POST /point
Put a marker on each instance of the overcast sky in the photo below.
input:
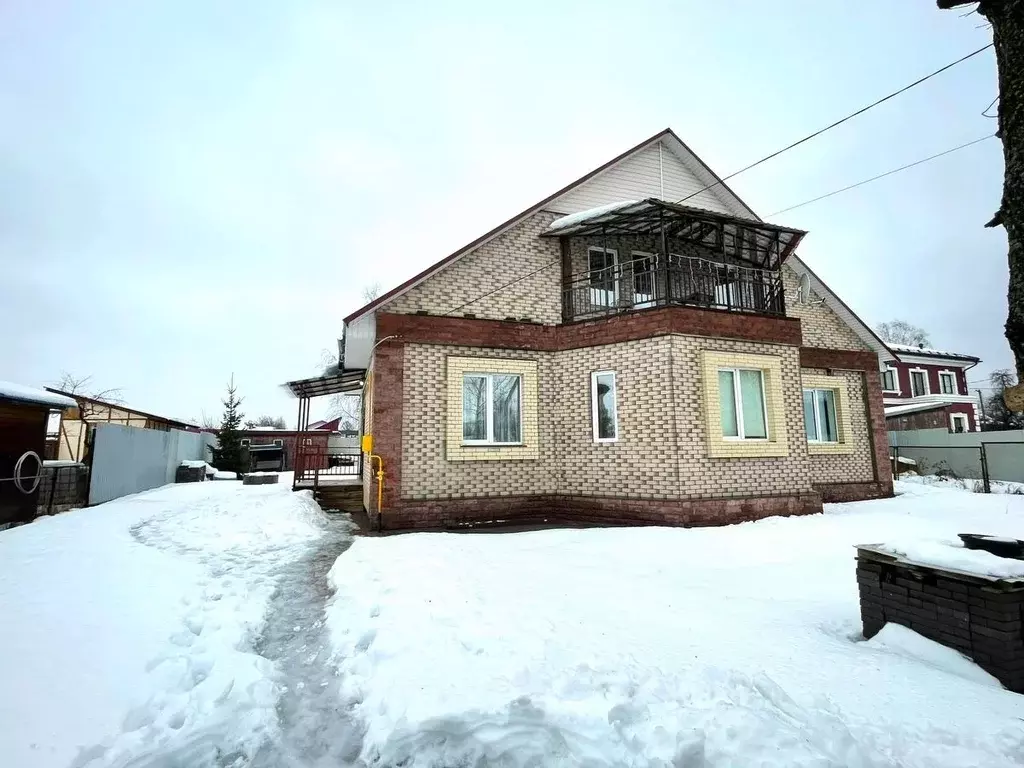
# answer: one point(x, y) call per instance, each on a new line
point(194, 189)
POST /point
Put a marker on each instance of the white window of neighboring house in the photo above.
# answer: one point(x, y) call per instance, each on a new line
point(947, 382)
point(307, 441)
point(820, 416)
point(604, 406)
point(958, 422)
point(279, 442)
point(889, 380)
point(602, 264)
point(741, 399)
point(643, 278)
point(492, 409)
point(918, 383)
point(244, 442)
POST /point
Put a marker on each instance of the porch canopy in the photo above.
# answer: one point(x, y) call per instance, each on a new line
point(755, 242)
point(347, 381)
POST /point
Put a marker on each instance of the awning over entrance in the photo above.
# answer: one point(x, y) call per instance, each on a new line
point(762, 244)
point(346, 382)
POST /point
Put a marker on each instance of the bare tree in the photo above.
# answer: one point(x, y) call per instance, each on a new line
point(902, 332)
point(371, 292)
point(997, 415)
point(275, 422)
point(82, 385)
point(346, 407)
point(207, 421)
point(1006, 18)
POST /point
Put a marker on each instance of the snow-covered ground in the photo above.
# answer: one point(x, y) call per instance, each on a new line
point(129, 632)
point(733, 646)
point(964, 484)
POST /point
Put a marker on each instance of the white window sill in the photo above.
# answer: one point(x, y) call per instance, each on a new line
point(746, 439)
point(604, 440)
point(492, 445)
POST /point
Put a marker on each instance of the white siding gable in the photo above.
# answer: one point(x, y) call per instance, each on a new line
point(655, 171)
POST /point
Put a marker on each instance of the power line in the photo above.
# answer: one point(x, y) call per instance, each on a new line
point(852, 115)
point(733, 175)
point(881, 175)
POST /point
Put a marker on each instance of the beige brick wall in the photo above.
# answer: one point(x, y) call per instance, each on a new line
point(519, 251)
point(702, 476)
point(821, 326)
point(855, 466)
point(662, 450)
point(838, 384)
point(426, 471)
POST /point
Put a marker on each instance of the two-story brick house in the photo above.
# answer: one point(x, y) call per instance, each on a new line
point(927, 389)
point(596, 359)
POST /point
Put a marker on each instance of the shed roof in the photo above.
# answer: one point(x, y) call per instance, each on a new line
point(348, 381)
point(22, 394)
point(910, 349)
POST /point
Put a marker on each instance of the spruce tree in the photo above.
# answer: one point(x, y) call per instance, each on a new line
point(228, 453)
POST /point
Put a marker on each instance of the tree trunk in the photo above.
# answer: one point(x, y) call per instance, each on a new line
point(1007, 18)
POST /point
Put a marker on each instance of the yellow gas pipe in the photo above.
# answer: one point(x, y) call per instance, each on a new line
point(380, 481)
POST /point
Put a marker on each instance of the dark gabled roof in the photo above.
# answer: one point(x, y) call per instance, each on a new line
point(916, 351)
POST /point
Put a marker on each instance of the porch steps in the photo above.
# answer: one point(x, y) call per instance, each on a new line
point(340, 498)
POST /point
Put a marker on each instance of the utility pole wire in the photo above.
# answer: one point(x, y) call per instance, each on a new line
point(733, 175)
point(881, 175)
point(860, 111)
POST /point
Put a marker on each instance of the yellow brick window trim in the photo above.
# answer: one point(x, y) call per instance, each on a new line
point(455, 448)
point(838, 385)
point(719, 446)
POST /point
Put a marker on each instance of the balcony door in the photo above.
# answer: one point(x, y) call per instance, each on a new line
point(603, 266)
point(643, 269)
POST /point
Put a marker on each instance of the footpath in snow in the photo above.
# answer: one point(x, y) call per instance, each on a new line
point(731, 646)
point(178, 627)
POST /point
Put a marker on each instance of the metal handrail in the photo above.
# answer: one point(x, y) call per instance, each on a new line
point(684, 280)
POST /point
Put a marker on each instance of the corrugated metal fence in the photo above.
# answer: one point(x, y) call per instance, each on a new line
point(127, 460)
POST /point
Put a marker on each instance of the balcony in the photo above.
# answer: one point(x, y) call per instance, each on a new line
point(635, 255)
point(650, 281)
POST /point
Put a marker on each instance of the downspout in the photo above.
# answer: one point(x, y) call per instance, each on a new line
point(661, 168)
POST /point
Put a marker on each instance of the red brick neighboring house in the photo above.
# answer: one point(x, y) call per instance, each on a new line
point(927, 389)
point(314, 442)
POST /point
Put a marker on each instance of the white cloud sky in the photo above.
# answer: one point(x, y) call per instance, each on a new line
point(194, 190)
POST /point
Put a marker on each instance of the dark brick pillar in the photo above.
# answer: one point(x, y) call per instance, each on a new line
point(388, 370)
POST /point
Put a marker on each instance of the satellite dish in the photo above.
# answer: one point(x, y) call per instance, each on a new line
point(803, 293)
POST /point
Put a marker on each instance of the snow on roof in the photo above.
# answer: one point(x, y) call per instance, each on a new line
point(899, 410)
point(11, 391)
point(911, 349)
point(590, 213)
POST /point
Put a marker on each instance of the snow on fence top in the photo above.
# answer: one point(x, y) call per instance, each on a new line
point(11, 391)
point(591, 213)
point(954, 556)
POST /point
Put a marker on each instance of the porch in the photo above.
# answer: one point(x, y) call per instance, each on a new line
point(636, 255)
point(334, 475)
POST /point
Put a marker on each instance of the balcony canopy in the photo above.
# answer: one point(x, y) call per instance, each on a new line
point(758, 243)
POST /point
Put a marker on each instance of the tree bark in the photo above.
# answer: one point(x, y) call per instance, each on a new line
point(1007, 19)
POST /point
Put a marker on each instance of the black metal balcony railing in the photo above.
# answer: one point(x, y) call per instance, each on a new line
point(685, 281)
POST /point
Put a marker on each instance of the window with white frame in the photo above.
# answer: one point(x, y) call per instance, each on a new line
point(744, 412)
point(279, 442)
point(958, 422)
point(947, 382)
point(918, 383)
point(889, 380)
point(604, 406)
point(602, 264)
point(244, 442)
point(492, 408)
point(820, 420)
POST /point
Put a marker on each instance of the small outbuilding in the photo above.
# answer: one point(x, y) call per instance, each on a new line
point(24, 414)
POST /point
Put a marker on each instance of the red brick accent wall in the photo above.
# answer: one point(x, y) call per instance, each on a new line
point(388, 409)
point(473, 332)
point(570, 510)
point(816, 357)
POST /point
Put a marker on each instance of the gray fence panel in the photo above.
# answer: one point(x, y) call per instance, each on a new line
point(960, 452)
point(128, 460)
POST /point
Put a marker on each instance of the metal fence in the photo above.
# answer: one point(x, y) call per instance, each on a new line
point(127, 460)
point(986, 462)
point(324, 468)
